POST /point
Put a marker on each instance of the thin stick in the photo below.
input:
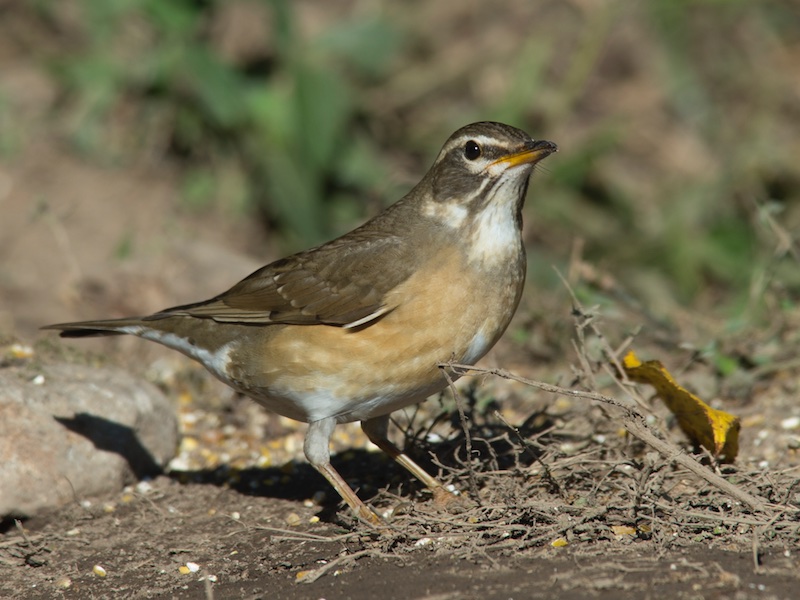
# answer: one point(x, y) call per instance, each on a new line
point(473, 486)
point(314, 574)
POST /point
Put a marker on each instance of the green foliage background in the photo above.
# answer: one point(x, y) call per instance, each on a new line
point(678, 122)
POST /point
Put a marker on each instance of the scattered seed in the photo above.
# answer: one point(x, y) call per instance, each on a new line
point(18, 351)
point(144, 487)
point(621, 530)
point(791, 423)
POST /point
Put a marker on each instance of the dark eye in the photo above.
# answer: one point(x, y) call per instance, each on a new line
point(472, 150)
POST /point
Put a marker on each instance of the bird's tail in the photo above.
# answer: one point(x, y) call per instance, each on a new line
point(83, 329)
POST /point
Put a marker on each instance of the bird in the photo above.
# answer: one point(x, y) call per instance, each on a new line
point(354, 329)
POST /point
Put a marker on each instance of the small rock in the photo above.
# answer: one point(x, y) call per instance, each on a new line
point(82, 432)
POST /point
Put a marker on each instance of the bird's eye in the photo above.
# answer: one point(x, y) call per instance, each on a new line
point(472, 150)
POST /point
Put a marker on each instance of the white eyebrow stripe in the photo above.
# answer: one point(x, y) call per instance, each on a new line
point(481, 140)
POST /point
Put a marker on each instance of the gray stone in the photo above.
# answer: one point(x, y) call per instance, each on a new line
point(69, 432)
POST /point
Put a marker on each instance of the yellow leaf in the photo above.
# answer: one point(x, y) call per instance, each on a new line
point(715, 430)
point(559, 542)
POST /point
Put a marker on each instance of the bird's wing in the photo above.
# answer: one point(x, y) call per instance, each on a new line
point(344, 283)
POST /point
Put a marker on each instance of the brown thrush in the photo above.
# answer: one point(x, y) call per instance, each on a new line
point(354, 329)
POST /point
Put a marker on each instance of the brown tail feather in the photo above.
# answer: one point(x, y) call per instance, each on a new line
point(81, 333)
point(83, 329)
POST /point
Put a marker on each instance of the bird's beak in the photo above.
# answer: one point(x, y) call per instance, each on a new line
point(530, 154)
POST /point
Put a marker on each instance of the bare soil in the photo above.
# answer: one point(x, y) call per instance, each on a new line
point(145, 540)
point(633, 527)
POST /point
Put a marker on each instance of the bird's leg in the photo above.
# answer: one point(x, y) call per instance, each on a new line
point(317, 450)
point(376, 430)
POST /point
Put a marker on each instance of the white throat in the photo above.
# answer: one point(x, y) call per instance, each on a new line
point(495, 237)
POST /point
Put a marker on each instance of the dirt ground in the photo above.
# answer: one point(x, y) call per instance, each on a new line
point(243, 542)
point(560, 505)
point(560, 498)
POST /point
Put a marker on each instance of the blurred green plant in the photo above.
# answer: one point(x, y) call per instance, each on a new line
point(691, 238)
point(674, 119)
point(286, 120)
